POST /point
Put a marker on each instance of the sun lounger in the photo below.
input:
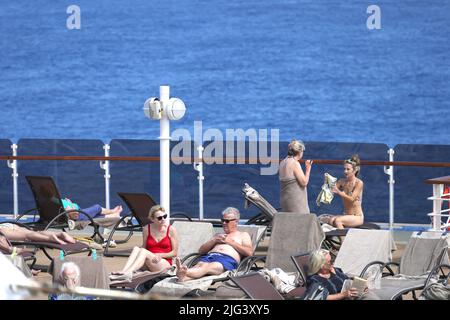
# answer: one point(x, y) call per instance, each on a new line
point(66, 249)
point(191, 236)
point(171, 287)
point(437, 286)
point(139, 205)
point(419, 263)
point(305, 235)
point(51, 211)
point(361, 247)
point(257, 287)
point(256, 233)
point(267, 213)
point(203, 286)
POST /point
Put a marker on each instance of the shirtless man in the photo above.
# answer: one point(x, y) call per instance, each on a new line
point(222, 252)
point(14, 232)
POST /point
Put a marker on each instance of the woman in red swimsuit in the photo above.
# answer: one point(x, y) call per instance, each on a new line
point(160, 245)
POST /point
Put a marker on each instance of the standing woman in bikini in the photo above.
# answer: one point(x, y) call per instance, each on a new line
point(350, 189)
point(293, 182)
point(160, 245)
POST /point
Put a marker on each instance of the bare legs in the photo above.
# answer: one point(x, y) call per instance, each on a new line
point(347, 220)
point(199, 270)
point(140, 257)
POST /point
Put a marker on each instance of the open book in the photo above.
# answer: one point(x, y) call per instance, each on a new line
point(358, 283)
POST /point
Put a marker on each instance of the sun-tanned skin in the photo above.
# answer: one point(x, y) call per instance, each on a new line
point(18, 233)
point(350, 190)
point(233, 243)
point(141, 257)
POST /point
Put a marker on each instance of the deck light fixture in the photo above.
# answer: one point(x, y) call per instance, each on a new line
point(164, 109)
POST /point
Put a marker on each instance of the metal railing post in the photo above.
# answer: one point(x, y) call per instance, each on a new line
point(199, 168)
point(105, 166)
point(13, 165)
point(389, 170)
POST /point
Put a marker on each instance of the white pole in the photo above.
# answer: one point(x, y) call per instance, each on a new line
point(438, 190)
point(164, 151)
point(200, 181)
point(15, 175)
point(107, 176)
point(391, 190)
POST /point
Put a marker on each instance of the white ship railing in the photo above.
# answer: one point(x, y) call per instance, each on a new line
point(437, 197)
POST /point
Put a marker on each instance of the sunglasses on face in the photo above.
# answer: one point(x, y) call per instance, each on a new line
point(227, 220)
point(162, 217)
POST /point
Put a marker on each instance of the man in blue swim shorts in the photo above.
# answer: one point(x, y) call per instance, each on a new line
point(222, 252)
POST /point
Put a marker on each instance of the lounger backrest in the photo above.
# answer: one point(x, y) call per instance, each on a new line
point(139, 205)
point(256, 233)
point(254, 197)
point(292, 233)
point(362, 246)
point(301, 262)
point(93, 273)
point(423, 252)
point(46, 197)
point(257, 287)
point(191, 235)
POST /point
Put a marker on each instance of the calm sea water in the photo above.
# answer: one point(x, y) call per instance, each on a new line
point(310, 68)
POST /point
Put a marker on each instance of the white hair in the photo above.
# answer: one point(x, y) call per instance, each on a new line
point(70, 267)
point(317, 260)
point(233, 211)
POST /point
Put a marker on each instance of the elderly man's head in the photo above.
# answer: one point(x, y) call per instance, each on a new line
point(70, 275)
point(230, 219)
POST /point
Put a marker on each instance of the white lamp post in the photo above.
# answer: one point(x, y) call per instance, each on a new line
point(164, 109)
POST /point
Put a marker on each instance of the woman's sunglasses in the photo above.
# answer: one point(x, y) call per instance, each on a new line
point(162, 217)
point(227, 220)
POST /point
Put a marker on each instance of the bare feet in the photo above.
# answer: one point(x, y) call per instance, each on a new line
point(67, 237)
point(115, 212)
point(181, 270)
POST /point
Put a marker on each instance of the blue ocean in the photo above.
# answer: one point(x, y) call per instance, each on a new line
point(312, 69)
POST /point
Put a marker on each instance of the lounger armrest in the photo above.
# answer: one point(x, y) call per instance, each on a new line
point(27, 212)
point(363, 272)
point(246, 263)
point(180, 214)
point(91, 221)
point(435, 271)
point(388, 267)
point(115, 228)
point(191, 259)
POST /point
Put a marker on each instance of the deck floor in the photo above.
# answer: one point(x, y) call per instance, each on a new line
point(116, 263)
